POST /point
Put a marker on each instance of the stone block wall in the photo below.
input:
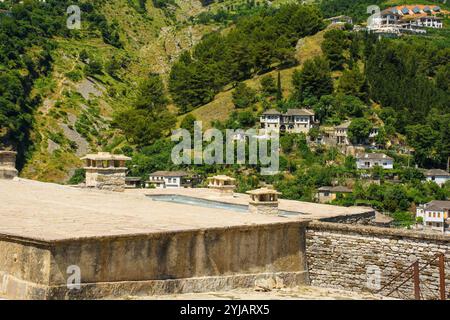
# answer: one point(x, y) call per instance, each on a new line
point(347, 256)
point(200, 260)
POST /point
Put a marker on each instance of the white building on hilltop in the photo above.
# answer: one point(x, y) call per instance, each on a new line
point(435, 215)
point(370, 160)
point(293, 121)
point(409, 17)
point(437, 175)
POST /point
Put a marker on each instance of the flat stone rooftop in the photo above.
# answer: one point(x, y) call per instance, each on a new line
point(308, 210)
point(50, 212)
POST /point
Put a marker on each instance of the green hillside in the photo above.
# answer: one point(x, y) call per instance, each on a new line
point(69, 92)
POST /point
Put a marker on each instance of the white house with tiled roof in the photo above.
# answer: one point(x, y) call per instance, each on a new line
point(437, 175)
point(370, 160)
point(435, 215)
point(292, 121)
point(167, 179)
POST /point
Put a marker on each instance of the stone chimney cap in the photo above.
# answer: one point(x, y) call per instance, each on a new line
point(263, 190)
point(8, 152)
point(105, 156)
point(222, 177)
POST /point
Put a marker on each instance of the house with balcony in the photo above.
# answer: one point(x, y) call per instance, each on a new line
point(435, 215)
point(293, 121)
point(409, 17)
point(437, 175)
point(370, 160)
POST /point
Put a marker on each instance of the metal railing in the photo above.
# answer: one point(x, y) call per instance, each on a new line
point(412, 272)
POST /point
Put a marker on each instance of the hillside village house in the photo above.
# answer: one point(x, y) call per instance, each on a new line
point(341, 134)
point(293, 121)
point(437, 175)
point(435, 215)
point(340, 20)
point(410, 17)
point(370, 160)
point(167, 179)
point(328, 193)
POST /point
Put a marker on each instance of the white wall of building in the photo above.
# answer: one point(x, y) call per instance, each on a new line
point(370, 163)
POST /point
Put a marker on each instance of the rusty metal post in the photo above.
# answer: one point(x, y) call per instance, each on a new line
point(442, 276)
point(416, 280)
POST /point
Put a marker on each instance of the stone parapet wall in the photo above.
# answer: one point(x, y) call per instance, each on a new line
point(345, 257)
point(159, 263)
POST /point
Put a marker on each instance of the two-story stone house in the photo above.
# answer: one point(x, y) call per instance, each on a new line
point(293, 121)
point(167, 179)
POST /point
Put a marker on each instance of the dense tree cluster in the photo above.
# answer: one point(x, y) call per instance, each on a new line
point(148, 119)
point(26, 32)
point(256, 45)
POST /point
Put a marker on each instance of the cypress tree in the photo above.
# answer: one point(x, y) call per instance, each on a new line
point(279, 91)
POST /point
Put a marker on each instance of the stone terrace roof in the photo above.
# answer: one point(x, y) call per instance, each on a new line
point(299, 112)
point(51, 212)
point(438, 205)
point(290, 112)
point(105, 156)
point(335, 189)
point(437, 172)
point(271, 112)
point(168, 174)
point(374, 156)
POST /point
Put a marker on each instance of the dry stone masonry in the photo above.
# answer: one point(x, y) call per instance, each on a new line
point(345, 256)
point(8, 164)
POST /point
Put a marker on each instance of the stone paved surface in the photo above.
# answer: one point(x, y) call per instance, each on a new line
point(310, 210)
point(49, 212)
point(297, 293)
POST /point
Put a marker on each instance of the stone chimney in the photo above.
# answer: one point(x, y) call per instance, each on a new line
point(8, 164)
point(263, 201)
point(224, 184)
point(105, 171)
